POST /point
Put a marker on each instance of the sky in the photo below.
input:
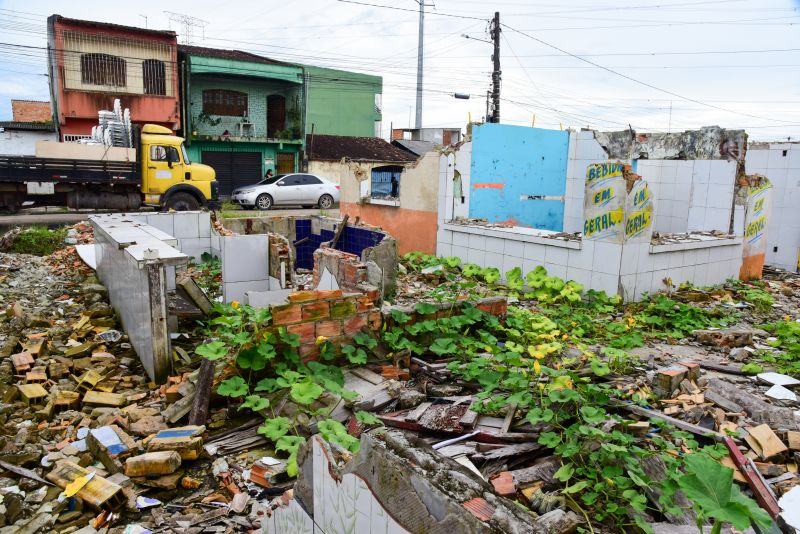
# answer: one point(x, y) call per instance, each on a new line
point(603, 64)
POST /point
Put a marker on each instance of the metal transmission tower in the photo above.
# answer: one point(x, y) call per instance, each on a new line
point(188, 23)
point(495, 34)
point(420, 53)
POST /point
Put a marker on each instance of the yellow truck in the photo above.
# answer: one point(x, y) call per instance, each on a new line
point(157, 172)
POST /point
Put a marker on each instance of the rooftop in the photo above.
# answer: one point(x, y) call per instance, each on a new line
point(111, 26)
point(238, 55)
point(415, 147)
point(28, 126)
point(336, 147)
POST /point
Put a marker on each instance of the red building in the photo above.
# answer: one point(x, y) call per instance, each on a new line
point(92, 63)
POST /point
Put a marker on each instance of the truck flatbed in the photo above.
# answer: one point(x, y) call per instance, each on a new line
point(77, 171)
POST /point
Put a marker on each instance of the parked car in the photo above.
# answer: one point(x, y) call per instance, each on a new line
point(288, 189)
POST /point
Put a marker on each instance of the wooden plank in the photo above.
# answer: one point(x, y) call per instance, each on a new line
point(205, 379)
point(730, 369)
point(683, 425)
point(512, 409)
point(339, 230)
point(656, 470)
point(763, 494)
point(543, 471)
point(195, 293)
point(727, 405)
point(417, 412)
point(510, 450)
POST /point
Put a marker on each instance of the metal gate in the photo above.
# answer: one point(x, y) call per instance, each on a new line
point(234, 169)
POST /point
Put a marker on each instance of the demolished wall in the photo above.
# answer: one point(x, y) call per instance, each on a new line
point(393, 485)
point(709, 142)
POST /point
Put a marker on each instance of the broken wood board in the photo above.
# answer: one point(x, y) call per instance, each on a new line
point(764, 442)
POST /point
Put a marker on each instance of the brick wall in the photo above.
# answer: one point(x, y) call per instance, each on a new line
point(348, 269)
point(333, 314)
point(31, 111)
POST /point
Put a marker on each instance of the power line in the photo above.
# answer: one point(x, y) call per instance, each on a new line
point(630, 78)
point(438, 13)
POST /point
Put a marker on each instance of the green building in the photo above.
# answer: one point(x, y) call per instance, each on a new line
point(243, 113)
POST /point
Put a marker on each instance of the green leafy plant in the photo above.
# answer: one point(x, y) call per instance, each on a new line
point(710, 487)
point(38, 241)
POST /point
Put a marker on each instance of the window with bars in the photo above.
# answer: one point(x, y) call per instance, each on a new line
point(103, 69)
point(224, 102)
point(155, 77)
point(386, 182)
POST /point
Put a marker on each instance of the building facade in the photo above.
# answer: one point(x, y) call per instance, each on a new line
point(343, 103)
point(243, 114)
point(92, 63)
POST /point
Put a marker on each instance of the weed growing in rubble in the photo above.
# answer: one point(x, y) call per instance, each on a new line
point(208, 274)
point(787, 340)
point(710, 486)
point(521, 365)
point(664, 317)
point(38, 241)
point(268, 371)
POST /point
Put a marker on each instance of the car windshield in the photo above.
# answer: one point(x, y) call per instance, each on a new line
point(271, 180)
point(186, 159)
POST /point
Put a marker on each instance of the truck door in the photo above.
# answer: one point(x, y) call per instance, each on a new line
point(164, 167)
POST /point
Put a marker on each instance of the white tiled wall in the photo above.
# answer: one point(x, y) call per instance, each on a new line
point(783, 231)
point(245, 265)
point(702, 265)
point(630, 270)
point(690, 195)
point(451, 207)
point(342, 505)
point(583, 151)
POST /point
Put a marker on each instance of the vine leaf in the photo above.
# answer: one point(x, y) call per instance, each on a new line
point(213, 350)
point(255, 403)
point(275, 428)
point(306, 392)
point(232, 387)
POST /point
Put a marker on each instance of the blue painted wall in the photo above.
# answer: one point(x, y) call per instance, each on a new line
point(511, 161)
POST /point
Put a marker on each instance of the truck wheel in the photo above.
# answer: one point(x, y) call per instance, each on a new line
point(325, 201)
point(264, 201)
point(182, 202)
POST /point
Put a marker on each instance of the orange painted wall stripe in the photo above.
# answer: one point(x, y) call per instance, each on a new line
point(488, 186)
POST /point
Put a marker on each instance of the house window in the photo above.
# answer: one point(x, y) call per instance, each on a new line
point(386, 181)
point(155, 78)
point(224, 102)
point(103, 69)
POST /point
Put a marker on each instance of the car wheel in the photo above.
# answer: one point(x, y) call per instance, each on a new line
point(264, 202)
point(325, 201)
point(182, 202)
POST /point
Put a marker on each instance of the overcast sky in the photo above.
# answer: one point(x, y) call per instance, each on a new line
point(675, 65)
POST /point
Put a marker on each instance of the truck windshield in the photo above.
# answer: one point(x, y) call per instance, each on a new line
point(185, 155)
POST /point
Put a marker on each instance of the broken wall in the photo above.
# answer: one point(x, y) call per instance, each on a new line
point(135, 262)
point(331, 314)
point(392, 486)
point(780, 163)
point(411, 219)
point(693, 195)
point(518, 175)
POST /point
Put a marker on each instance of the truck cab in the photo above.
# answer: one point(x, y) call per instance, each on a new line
point(169, 178)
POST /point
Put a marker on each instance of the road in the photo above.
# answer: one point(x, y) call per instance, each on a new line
point(71, 217)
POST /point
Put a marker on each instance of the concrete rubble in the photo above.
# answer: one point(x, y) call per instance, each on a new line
point(413, 438)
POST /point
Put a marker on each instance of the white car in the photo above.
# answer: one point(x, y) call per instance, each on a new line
point(293, 189)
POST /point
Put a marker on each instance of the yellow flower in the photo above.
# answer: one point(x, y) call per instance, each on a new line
point(536, 367)
point(235, 304)
point(321, 340)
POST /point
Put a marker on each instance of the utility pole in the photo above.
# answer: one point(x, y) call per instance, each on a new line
point(495, 33)
point(420, 53)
